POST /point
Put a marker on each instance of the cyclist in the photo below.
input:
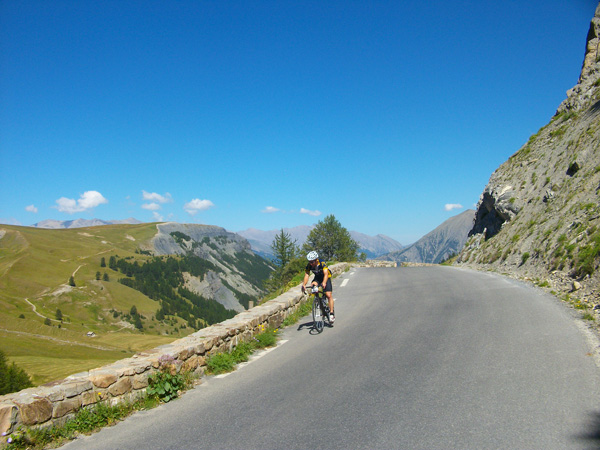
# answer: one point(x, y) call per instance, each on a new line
point(322, 277)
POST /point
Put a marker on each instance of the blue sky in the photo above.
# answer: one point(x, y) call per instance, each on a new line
point(271, 114)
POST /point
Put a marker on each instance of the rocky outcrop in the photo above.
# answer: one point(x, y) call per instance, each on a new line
point(539, 215)
point(228, 252)
point(580, 96)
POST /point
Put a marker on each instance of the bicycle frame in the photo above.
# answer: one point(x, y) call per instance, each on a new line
point(320, 308)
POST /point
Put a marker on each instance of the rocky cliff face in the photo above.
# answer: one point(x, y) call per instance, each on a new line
point(539, 215)
point(239, 271)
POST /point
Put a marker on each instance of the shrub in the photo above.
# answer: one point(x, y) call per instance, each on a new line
point(586, 258)
point(165, 383)
point(12, 378)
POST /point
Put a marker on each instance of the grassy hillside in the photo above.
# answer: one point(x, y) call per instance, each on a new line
point(36, 266)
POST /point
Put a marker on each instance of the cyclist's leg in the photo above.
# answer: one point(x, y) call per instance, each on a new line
point(329, 294)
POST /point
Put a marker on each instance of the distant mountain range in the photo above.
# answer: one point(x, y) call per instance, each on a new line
point(436, 246)
point(81, 223)
point(372, 246)
point(445, 240)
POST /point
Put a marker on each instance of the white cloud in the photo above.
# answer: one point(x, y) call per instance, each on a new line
point(270, 209)
point(309, 212)
point(154, 197)
point(451, 206)
point(88, 200)
point(31, 208)
point(157, 217)
point(197, 205)
point(151, 206)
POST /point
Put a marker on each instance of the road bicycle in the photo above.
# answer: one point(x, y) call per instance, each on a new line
point(320, 308)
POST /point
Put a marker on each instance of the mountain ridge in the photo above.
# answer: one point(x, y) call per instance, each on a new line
point(82, 223)
point(445, 240)
point(372, 246)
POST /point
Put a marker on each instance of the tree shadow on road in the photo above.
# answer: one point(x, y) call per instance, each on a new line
point(592, 432)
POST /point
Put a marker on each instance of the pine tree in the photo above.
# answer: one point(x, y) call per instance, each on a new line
point(12, 378)
point(331, 241)
point(284, 249)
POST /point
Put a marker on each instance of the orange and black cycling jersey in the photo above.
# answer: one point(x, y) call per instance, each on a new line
point(319, 270)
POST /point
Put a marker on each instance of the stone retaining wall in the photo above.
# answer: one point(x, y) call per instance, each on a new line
point(128, 378)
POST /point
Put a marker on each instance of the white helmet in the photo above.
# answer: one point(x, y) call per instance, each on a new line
point(312, 256)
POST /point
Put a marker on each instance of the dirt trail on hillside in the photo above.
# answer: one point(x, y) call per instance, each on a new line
point(61, 341)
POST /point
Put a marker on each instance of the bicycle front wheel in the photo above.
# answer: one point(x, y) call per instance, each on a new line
point(318, 320)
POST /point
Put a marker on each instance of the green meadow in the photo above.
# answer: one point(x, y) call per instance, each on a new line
point(45, 321)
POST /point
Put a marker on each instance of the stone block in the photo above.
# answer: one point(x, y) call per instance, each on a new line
point(139, 381)
point(190, 364)
point(66, 406)
point(103, 379)
point(8, 417)
point(120, 387)
point(34, 411)
point(185, 353)
point(76, 388)
point(91, 398)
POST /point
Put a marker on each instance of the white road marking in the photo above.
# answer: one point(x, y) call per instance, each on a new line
point(345, 282)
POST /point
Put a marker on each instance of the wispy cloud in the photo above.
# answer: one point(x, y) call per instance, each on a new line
point(270, 210)
point(452, 206)
point(156, 200)
point(31, 208)
point(196, 205)
point(151, 206)
point(88, 200)
point(309, 212)
point(154, 197)
point(157, 217)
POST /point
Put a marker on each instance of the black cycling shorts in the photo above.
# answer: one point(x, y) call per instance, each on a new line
point(328, 286)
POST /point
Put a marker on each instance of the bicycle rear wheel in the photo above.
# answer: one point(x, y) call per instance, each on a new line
point(318, 320)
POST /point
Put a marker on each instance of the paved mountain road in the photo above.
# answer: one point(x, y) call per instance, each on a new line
point(419, 358)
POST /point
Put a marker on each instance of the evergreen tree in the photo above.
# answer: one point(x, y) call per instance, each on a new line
point(284, 249)
point(98, 275)
point(332, 241)
point(105, 277)
point(72, 281)
point(12, 378)
point(59, 315)
point(103, 262)
point(133, 312)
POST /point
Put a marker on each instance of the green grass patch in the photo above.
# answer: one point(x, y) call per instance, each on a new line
point(226, 361)
point(86, 421)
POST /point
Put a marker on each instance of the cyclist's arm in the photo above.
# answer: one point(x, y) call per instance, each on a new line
point(325, 277)
point(306, 276)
